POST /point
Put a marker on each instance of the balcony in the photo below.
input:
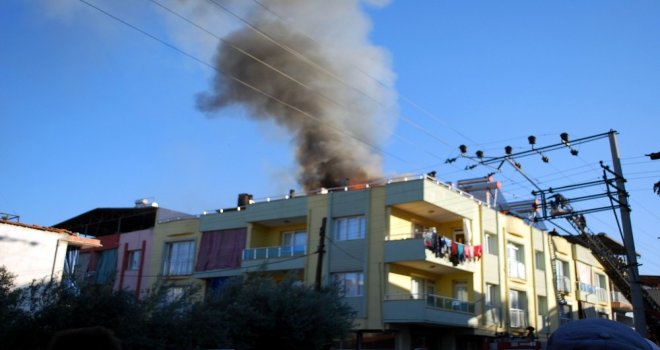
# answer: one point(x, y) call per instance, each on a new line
point(518, 318)
point(601, 295)
point(275, 258)
point(412, 252)
point(619, 302)
point(432, 309)
point(563, 284)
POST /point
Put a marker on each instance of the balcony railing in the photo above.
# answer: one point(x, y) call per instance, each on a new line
point(601, 294)
point(439, 302)
point(518, 318)
point(618, 297)
point(273, 252)
point(516, 269)
point(563, 284)
point(405, 235)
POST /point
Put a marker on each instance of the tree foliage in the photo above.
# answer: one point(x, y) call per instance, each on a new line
point(248, 313)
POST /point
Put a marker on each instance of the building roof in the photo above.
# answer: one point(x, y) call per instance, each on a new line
point(107, 221)
point(73, 238)
point(650, 281)
point(613, 245)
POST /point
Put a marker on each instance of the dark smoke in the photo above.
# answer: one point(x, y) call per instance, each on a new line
point(327, 91)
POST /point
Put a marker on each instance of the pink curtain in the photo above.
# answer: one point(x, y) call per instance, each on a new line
point(221, 249)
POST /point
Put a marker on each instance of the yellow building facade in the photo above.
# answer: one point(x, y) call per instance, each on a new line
point(423, 265)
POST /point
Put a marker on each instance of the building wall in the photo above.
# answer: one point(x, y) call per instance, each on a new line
point(31, 254)
point(170, 231)
point(134, 280)
point(391, 211)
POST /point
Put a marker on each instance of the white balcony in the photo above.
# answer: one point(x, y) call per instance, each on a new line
point(279, 258)
point(563, 284)
point(518, 318)
point(273, 252)
point(432, 309)
point(413, 253)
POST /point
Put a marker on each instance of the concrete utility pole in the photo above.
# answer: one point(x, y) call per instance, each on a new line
point(320, 251)
point(628, 241)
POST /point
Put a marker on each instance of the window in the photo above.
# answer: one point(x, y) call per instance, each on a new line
point(418, 230)
point(491, 243)
point(347, 228)
point(492, 294)
point(516, 260)
point(421, 287)
point(542, 311)
point(179, 257)
point(518, 308)
point(540, 260)
point(601, 288)
point(542, 305)
point(351, 284)
point(461, 291)
point(134, 257)
point(566, 313)
point(563, 278)
point(492, 301)
point(173, 294)
point(297, 240)
point(459, 236)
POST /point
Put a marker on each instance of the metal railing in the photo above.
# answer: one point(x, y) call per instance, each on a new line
point(518, 318)
point(451, 304)
point(563, 284)
point(273, 252)
point(405, 235)
point(436, 302)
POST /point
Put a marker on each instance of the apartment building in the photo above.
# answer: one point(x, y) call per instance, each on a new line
point(175, 245)
point(423, 264)
point(39, 253)
point(126, 236)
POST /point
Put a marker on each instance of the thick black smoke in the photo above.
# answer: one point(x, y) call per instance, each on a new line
point(329, 91)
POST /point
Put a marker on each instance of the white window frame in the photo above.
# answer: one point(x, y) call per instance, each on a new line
point(421, 287)
point(490, 240)
point(563, 275)
point(516, 260)
point(600, 282)
point(182, 264)
point(492, 303)
point(518, 308)
point(134, 259)
point(539, 257)
point(351, 284)
point(350, 228)
point(460, 291)
point(294, 239)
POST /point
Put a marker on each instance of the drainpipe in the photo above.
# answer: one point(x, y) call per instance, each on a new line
point(124, 264)
point(57, 248)
point(139, 281)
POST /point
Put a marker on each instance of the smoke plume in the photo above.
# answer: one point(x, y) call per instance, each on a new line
point(308, 65)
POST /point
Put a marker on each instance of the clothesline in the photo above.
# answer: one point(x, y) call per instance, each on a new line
point(457, 253)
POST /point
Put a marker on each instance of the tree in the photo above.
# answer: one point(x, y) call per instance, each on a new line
point(248, 313)
point(259, 313)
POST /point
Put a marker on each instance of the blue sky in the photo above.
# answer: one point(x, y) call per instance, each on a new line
point(96, 114)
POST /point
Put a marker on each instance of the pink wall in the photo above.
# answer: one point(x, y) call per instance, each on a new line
point(133, 279)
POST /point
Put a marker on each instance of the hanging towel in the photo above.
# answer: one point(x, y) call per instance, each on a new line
point(477, 251)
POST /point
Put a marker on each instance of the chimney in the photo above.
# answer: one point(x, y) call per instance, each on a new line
point(244, 199)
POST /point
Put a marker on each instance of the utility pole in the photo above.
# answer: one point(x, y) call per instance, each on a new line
point(320, 251)
point(628, 241)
